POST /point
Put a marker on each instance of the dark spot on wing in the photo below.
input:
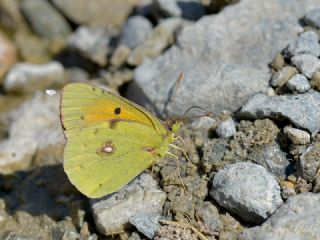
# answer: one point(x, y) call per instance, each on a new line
point(93, 89)
point(149, 149)
point(82, 117)
point(113, 123)
point(117, 111)
point(95, 131)
point(100, 184)
point(102, 91)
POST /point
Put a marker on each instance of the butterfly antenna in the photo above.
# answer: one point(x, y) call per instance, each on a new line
point(208, 113)
point(177, 85)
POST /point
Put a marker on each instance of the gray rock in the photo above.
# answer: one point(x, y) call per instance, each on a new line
point(120, 55)
point(297, 219)
point(158, 40)
point(35, 135)
point(147, 224)
point(220, 55)
point(281, 77)
point(102, 13)
point(209, 215)
point(189, 9)
point(44, 19)
point(28, 78)
point(272, 158)
point(298, 83)
point(135, 31)
point(309, 162)
point(203, 123)
point(92, 43)
point(112, 213)
point(307, 64)
point(297, 136)
point(226, 128)
point(248, 190)
point(307, 43)
point(213, 152)
point(312, 17)
point(302, 110)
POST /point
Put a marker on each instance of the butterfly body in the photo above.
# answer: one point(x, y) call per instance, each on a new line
point(110, 140)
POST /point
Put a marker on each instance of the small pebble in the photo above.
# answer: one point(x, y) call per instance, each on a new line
point(298, 83)
point(307, 64)
point(281, 77)
point(315, 81)
point(312, 17)
point(307, 43)
point(226, 128)
point(120, 55)
point(296, 135)
point(278, 62)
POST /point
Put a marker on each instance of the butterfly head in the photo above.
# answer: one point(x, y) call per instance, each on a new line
point(173, 125)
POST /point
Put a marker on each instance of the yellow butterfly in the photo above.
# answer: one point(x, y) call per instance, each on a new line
point(110, 140)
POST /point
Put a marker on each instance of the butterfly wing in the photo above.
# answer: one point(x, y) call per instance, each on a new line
point(107, 147)
point(100, 160)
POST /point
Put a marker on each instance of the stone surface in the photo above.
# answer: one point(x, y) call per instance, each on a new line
point(272, 158)
point(315, 81)
point(307, 43)
point(302, 110)
point(209, 215)
point(44, 19)
point(298, 83)
point(28, 78)
point(135, 31)
point(120, 55)
point(307, 64)
point(8, 55)
point(158, 40)
point(220, 55)
point(297, 219)
point(92, 43)
point(189, 9)
point(281, 77)
point(148, 224)
point(226, 128)
point(309, 162)
point(312, 17)
point(104, 13)
point(297, 136)
point(112, 213)
point(248, 190)
point(213, 152)
point(35, 135)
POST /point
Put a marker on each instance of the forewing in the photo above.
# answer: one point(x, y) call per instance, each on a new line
point(83, 105)
point(96, 172)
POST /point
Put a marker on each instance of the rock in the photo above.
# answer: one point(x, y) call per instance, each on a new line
point(217, 65)
point(103, 13)
point(315, 81)
point(309, 162)
point(44, 19)
point(75, 74)
point(40, 142)
point(28, 78)
point(297, 136)
point(92, 43)
point(278, 62)
point(226, 128)
point(31, 48)
point(272, 158)
point(302, 110)
point(307, 43)
point(8, 55)
point(203, 123)
point(298, 83)
point(147, 224)
point(213, 152)
point(135, 31)
point(282, 76)
point(247, 190)
point(189, 9)
point(297, 219)
point(13, 20)
point(312, 17)
point(112, 213)
point(209, 215)
point(308, 65)
point(158, 40)
point(120, 55)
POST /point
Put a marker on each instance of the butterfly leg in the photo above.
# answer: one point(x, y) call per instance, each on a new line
point(182, 150)
point(178, 166)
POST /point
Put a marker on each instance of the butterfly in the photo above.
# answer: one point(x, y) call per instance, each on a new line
point(110, 140)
